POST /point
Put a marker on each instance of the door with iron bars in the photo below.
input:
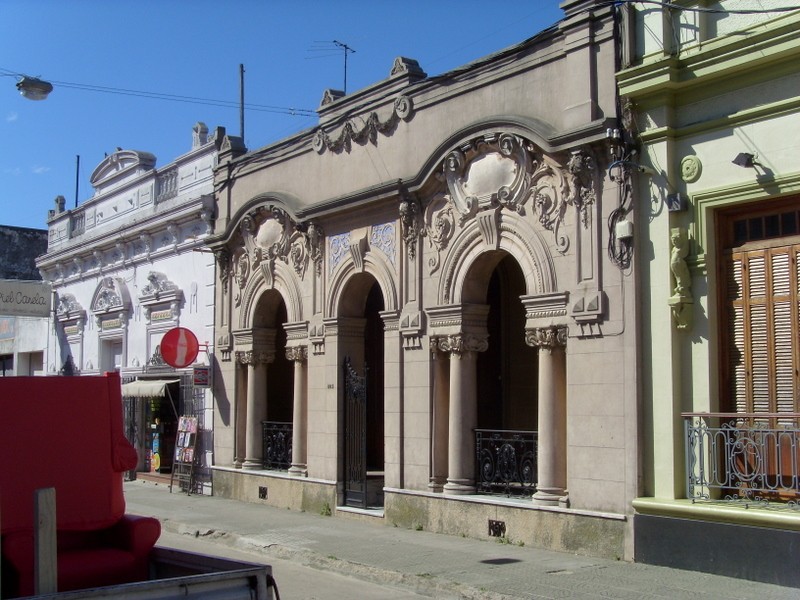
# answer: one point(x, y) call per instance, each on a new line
point(355, 436)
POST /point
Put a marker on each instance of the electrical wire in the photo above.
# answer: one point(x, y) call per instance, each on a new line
point(173, 97)
point(702, 9)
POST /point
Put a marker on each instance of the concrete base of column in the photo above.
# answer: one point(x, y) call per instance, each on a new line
point(548, 497)
point(436, 485)
point(298, 471)
point(459, 487)
point(252, 464)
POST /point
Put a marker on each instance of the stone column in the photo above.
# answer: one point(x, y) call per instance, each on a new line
point(551, 488)
point(441, 417)
point(256, 405)
point(299, 354)
point(463, 415)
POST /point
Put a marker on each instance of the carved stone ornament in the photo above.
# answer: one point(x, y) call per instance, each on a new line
point(363, 130)
point(546, 338)
point(158, 288)
point(297, 353)
point(269, 235)
point(460, 343)
point(254, 357)
point(440, 226)
point(111, 294)
point(505, 171)
point(67, 308)
point(410, 224)
point(223, 258)
point(681, 302)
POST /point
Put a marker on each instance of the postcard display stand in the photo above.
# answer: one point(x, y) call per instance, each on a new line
point(183, 467)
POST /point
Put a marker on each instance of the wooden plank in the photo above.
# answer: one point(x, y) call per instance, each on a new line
point(45, 571)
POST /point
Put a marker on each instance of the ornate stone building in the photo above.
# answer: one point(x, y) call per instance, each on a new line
point(125, 268)
point(424, 304)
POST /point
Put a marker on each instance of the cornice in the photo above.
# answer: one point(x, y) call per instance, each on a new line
point(754, 54)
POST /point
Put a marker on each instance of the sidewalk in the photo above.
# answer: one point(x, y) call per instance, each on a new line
point(436, 565)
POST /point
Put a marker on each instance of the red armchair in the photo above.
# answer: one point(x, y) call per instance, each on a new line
point(66, 433)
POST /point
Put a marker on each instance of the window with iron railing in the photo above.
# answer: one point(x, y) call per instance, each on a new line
point(277, 445)
point(505, 462)
point(749, 458)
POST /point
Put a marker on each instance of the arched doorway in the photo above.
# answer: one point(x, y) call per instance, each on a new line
point(273, 413)
point(507, 376)
point(363, 395)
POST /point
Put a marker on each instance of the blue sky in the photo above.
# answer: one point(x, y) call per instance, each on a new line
point(193, 49)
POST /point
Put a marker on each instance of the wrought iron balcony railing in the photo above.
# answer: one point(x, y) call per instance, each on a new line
point(506, 462)
point(277, 450)
point(749, 458)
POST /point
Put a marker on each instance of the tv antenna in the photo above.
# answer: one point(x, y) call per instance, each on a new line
point(334, 52)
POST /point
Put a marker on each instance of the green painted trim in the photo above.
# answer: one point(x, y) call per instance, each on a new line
point(733, 515)
point(745, 117)
point(705, 202)
point(736, 56)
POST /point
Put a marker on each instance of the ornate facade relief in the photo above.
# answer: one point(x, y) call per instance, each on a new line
point(68, 308)
point(160, 298)
point(382, 237)
point(440, 226)
point(268, 235)
point(681, 302)
point(546, 338)
point(502, 171)
point(460, 343)
point(111, 294)
point(410, 224)
point(363, 130)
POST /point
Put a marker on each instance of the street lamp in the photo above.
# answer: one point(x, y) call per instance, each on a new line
point(33, 88)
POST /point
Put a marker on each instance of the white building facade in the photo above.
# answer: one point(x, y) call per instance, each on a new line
point(126, 266)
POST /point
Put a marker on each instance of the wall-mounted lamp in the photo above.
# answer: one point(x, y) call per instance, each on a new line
point(33, 88)
point(745, 159)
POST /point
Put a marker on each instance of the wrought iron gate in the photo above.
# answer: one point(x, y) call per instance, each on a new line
point(355, 437)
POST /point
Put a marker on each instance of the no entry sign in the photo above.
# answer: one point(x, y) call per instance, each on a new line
point(179, 347)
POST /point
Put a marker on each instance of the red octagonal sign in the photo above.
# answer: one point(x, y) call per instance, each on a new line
point(179, 347)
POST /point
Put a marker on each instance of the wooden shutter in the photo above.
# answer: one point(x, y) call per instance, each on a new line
point(762, 329)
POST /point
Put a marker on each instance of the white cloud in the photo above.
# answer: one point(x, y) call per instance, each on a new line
point(39, 170)
point(12, 171)
point(11, 117)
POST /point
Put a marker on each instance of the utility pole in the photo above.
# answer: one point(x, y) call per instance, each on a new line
point(241, 101)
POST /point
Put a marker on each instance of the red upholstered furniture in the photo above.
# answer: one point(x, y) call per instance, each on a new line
point(66, 433)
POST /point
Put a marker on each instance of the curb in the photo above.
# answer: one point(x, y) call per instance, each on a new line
point(422, 583)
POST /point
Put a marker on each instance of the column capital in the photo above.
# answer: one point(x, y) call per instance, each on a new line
point(251, 357)
point(547, 338)
point(297, 353)
point(460, 343)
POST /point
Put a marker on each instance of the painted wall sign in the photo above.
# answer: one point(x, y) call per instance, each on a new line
point(25, 298)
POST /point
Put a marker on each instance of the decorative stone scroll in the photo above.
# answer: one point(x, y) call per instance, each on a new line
point(365, 131)
point(503, 171)
point(270, 235)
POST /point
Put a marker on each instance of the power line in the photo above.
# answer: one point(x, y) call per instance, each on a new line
point(303, 112)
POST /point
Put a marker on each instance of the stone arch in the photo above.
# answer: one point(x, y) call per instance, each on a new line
point(471, 248)
point(284, 282)
point(375, 266)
